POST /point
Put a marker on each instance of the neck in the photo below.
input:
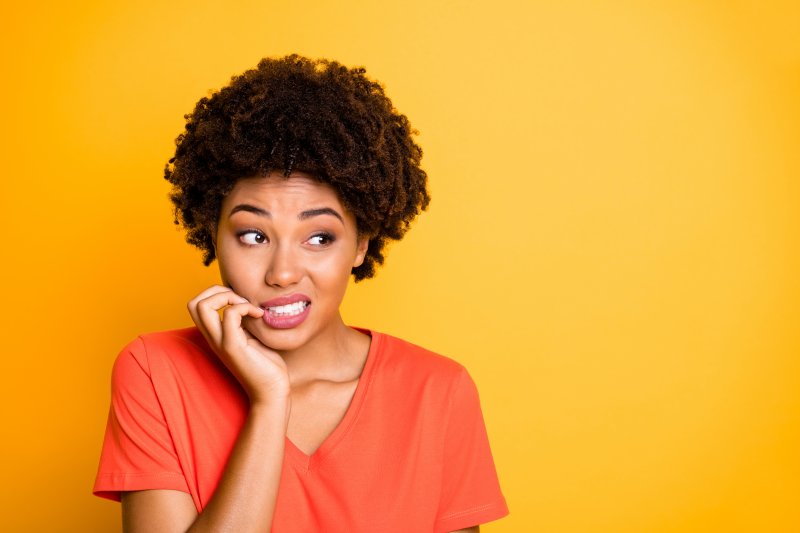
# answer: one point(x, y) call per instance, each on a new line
point(331, 355)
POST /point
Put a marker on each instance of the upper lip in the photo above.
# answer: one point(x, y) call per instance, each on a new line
point(285, 300)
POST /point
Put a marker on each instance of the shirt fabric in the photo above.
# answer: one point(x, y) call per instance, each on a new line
point(410, 454)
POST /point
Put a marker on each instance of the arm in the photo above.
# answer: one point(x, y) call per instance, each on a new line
point(245, 498)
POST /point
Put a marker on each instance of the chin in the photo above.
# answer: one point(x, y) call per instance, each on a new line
point(279, 340)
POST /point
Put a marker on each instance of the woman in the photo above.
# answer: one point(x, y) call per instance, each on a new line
point(277, 416)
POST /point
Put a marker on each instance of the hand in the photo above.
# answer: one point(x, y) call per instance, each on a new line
point(259, 369)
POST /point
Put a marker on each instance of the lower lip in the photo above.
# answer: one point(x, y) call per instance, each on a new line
point(285, 322)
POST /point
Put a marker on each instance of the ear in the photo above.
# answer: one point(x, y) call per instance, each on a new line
point(361, 251)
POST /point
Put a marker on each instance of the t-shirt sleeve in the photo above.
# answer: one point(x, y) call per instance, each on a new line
point(138, 451)
point(471, 492)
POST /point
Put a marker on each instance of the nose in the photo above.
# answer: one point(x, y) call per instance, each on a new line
point(283, 268)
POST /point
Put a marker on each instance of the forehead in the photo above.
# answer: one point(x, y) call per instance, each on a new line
point(298, 191)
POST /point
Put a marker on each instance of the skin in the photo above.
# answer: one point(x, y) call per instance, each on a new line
point(300, 380)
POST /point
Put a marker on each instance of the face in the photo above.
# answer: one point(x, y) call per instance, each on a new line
point(288, 245)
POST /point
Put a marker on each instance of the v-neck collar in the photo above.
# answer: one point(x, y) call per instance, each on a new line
point(309, 462)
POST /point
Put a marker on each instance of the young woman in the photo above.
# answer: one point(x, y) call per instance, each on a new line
point(272, 414)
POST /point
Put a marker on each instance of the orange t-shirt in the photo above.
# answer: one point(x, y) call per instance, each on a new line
point(410, 454)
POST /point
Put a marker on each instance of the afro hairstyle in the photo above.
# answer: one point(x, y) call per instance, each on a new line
point(298, 114)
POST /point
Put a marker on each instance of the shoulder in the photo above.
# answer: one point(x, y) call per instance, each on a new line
point(416, 381)
point(174, 347)
point(181, 338)
point(403, 358)
point(173, 365)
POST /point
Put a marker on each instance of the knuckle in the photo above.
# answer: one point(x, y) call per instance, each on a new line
point(234, 309)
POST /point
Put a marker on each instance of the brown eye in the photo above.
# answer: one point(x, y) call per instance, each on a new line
point(321, 239)
point(252, 238)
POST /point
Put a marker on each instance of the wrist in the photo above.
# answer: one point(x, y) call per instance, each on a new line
point(276, 401)
point(271, 412)
point(268, 393)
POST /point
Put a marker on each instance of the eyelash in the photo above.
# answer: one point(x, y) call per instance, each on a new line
point(324, 235)
point(242, 233)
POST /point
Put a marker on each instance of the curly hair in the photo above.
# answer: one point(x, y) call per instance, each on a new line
point(313, 116)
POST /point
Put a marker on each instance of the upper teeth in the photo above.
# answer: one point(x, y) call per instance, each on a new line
point(290, 309)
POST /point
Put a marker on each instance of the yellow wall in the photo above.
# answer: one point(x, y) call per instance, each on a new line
point(612, 246)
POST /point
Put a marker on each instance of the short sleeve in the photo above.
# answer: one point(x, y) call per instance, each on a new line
point(471, 492)
point(138, 452)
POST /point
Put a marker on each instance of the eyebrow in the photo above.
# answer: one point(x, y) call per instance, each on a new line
point(302, 216)
point(250, 209)
point(321, 211)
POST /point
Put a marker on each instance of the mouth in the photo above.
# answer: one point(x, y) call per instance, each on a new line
point(285, 312)
point(292, 309)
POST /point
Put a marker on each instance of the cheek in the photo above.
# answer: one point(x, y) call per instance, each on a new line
point(239, 273)
point(332, 272)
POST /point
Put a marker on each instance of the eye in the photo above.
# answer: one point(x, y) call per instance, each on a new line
point(252, 237)
point(321, 239)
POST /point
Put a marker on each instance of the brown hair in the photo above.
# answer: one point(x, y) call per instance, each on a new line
point(315, 116)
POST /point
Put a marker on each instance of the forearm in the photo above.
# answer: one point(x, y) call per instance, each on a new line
point(245, 497)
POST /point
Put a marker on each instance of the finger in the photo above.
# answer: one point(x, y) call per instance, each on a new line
point(214, 289)
point(233, 334)
point(192, 304)
point(207, 311)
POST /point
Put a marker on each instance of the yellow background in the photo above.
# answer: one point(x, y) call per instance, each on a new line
point(612, 246)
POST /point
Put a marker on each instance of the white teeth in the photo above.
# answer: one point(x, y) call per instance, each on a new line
point(288, 310)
